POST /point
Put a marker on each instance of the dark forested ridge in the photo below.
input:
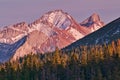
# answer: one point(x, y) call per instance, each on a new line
point(106, 34)
point(83, 63)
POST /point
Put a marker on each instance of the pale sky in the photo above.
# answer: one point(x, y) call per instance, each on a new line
point(15, 11)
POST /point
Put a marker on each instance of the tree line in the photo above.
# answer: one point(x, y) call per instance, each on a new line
point(98, 62)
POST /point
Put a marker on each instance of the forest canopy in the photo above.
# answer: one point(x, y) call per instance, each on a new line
point(98, 62)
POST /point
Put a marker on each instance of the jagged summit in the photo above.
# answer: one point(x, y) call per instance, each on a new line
point(94, 18)
point(17, 25)
point(20, 24)
point(56, 18)
point(93, 22)
point(55, 12)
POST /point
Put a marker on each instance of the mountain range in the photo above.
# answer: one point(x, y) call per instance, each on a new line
point(54, 29)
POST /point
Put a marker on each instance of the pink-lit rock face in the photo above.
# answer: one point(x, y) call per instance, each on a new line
point(54, 29)
point(93, 22)
point(13, 33)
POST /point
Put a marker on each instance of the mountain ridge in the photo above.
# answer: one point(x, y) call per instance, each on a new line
point(54, 29)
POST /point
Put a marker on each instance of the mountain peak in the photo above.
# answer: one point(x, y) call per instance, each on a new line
point(93, 22)
point(55, 18)
point(94, 17)
point(58, 10)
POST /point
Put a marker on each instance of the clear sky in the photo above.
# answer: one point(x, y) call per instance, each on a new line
point(14, 11)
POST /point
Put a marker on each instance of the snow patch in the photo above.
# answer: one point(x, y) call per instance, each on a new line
point(76, 33)
point(18, 37)
point(116, 32)
point(51, 17)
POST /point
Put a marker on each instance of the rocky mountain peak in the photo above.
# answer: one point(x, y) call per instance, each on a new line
point(55, 18)
point(93, 22)
point(94, 18)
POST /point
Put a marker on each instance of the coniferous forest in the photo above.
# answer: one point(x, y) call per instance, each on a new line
point(99, 62)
